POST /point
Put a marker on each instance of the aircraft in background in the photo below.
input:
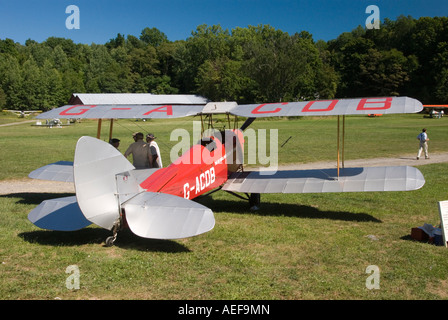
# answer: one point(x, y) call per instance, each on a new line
point(23, 113)
point(435, 111)
point(158, 203)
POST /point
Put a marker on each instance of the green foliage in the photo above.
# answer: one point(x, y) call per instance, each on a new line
point(403, 57)
point(247, 65)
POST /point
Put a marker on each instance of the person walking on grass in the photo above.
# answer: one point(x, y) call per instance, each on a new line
point(423, 139)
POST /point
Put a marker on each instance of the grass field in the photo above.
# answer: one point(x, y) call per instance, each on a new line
point(313, 246)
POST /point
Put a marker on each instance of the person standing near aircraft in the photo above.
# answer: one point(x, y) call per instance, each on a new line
point(155, 151)
point(115, 142)
point(423, 138)
point(140, 151)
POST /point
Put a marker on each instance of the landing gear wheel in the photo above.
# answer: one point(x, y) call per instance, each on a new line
point(110, 241)
point(254, 201)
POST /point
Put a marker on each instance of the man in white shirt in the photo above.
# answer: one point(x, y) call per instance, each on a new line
point(155, 151)
point(423, 138)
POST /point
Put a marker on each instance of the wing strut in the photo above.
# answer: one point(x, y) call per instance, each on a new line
point(98, 130)
point(247, 123)
point(341, 154)
point(111, 128)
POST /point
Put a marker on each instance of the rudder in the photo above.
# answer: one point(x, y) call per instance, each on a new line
point(95, 167)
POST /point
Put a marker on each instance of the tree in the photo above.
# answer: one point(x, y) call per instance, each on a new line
point(118, 41)
point(8, 46)
point(284, 67)
point(2, 98)
point(223, 79)
point(30, 93)
point(206, 43)
point(104, 73)
point(249, 65)
point(153, 37)
point(440, 64)
point(11, 81)
point(60, 60)
point(143, 61)
point(51, 94)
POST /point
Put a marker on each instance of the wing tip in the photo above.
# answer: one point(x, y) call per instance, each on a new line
point(416, 105)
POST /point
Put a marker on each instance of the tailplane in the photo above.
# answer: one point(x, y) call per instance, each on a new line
point(164, 216)
point(61, 214)
point(108, 194)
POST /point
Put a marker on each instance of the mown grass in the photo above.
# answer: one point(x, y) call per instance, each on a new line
point(300, 246)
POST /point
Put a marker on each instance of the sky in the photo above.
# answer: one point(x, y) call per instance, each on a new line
point(102, 20)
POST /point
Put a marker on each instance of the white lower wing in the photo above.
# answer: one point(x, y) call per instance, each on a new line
point(369, 179)
point(58, 171)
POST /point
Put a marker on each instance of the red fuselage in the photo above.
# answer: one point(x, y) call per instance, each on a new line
point(204, 167)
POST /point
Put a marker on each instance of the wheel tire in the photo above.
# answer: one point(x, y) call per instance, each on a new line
point(254, 201)
point(110, 241)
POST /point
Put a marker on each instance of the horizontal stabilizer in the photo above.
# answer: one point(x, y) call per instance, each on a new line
point(62, 214)
point(163, 216)
point(368, 179)
point(141, 175)
point(58, 171)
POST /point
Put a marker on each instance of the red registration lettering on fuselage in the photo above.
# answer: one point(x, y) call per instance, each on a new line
point(203, 181)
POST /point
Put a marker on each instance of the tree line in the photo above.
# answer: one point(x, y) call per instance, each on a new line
point(249, 65)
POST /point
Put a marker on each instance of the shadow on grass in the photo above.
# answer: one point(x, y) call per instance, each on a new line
point(284, 209)
point(126, 239)
point(90, 235)
point(31, 198)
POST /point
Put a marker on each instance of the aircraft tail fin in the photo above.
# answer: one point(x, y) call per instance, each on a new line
point(95, 168)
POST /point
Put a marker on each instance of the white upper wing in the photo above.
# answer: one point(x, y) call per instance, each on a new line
point(386, 105)
point(361, 106)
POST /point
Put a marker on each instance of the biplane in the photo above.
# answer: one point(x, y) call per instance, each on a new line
point(159, 203)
